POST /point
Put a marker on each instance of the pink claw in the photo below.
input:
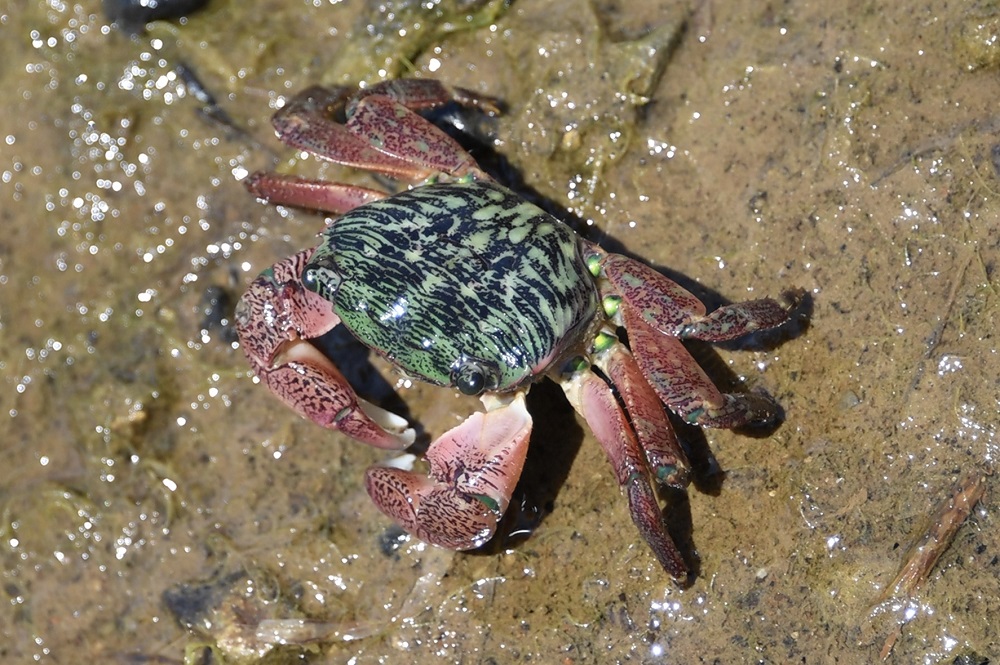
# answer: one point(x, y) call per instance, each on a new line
point(473, 470)
point(274, 318)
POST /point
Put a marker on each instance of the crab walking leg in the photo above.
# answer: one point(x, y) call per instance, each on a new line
point(683, 385)
point(594, 400)
point(645, 411)
point(395, 130)
point(332, 197)
point(672, 310)
point(473, 470)
point(382, 131)
point(307, 123)
point(741, 318)
point(273, 320)
point(426, 94)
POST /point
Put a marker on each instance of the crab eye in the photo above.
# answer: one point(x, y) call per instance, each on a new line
point(309, 279)
point(471, 378)
point(320, 280)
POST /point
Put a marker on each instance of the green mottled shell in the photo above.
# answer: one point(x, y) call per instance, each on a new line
point(443, 274)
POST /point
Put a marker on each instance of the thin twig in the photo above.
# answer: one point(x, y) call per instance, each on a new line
point(920, 559)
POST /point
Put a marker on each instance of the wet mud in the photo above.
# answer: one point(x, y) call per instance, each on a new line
point(156, 505)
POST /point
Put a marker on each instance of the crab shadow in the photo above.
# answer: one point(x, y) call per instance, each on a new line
point(556, 438)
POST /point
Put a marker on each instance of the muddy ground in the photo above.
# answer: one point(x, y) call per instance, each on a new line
point(157, 505)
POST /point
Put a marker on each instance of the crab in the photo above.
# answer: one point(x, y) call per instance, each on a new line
point(461, 283)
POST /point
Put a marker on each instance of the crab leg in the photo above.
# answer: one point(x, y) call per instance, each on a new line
point(386, 115)
point(274, 318)
point(594, 400)
point(332, 197)
point(395, 130)
point(427, 94)
point(683, 385)
point(658, 312)
point(645, 412)
point(306, 123)
point(382, 132)
point(473, 470)
point(672, 310)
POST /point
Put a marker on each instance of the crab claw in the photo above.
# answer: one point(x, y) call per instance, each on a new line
point(274, 320)
point(473, 470)
point(309, 383)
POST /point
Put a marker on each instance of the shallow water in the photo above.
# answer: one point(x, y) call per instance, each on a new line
point(744, 149)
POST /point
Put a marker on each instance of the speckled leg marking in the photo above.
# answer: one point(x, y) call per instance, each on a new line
point(594, 400)
point(427, 94)
point(332, 197)
point(473, 470)
point(657, 313)
point(382, 131)
point(273, 319)
point(307, 123)
point(666, 306)
point(739, 319)
point(394, 130)
point(683, 385)
point(645, 411)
